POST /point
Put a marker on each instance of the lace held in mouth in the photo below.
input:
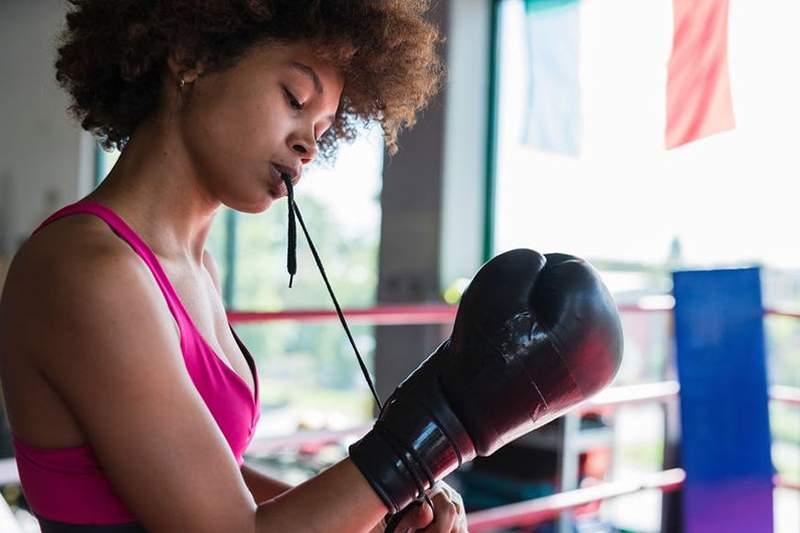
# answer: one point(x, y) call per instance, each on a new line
point(291, 265)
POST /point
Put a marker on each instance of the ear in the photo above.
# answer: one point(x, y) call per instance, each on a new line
point(178, 67)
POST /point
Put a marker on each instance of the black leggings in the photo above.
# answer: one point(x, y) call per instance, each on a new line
point(49, 526)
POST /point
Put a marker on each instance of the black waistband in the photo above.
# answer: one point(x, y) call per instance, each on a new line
point(49, 526)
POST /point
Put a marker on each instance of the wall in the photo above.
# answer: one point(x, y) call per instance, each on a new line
point(45, 160)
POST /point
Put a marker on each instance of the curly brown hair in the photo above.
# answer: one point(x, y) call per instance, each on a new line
point(112, 57)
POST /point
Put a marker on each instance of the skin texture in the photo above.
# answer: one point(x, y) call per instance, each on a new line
point(110, 372)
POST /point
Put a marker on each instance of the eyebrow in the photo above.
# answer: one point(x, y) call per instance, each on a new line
point(308, 71)
point(312, 75)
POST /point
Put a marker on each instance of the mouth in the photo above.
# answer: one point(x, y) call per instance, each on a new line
point(278, 187)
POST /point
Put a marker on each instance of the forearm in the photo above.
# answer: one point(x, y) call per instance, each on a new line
point(262, 487)
point(339, 499)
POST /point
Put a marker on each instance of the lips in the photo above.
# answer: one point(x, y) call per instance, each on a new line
point(294, 173)
point(278, 186)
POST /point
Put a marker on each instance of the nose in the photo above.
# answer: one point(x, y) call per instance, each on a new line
point(305, 147)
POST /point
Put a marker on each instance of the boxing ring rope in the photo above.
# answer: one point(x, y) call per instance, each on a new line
point(783, 394)
point(536, 511)
point(623, 395)
point(265, 445)
point(389, 315)
point(782, 312)
point(392, 315)
point(395, 315)
point(632, 394)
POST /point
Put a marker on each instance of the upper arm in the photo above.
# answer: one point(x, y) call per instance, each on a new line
point(112, 353)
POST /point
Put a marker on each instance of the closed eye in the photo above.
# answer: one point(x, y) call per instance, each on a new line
point(292, 100)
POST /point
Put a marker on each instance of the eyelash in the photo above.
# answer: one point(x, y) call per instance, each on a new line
point(293, 101)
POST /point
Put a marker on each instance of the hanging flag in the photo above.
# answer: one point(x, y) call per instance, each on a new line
point(698, 85)
point(553, 111)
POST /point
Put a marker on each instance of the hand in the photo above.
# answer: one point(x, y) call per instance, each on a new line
point(448, 508)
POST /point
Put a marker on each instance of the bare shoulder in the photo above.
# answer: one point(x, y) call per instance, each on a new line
point(75, 271)
point(81, 242)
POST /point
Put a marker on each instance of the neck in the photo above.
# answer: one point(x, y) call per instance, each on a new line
point(155, 189)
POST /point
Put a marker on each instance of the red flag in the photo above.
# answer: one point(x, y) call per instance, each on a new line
point(698, 86)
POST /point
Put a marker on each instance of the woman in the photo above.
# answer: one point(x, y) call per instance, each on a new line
point(130, 398)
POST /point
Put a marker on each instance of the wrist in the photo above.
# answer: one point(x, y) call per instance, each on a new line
point(409, 449)
point(387, 470)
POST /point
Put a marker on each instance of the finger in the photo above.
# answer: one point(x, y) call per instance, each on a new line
point(452, 495)
point(460, 524)
point(441, 498)
point(418, 517)
point(445, 518)
point(444, 506)
point(461, 515)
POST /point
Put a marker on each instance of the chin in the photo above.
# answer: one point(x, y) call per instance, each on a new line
point(252, 205)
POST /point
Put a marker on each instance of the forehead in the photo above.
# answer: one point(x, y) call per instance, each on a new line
point(299, 58)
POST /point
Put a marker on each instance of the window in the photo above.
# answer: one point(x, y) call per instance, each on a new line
point(635, 209)
point(723, 200)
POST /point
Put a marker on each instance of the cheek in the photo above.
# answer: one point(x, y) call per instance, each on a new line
point(231, 139)
point(227, 117)
point(216, 134)
point(255, 113)
point(208, 128)
point(261, 127)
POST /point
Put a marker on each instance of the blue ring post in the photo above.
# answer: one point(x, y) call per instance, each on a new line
point(725, 438)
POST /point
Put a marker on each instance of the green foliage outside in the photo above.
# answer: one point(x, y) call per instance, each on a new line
point(302, 364)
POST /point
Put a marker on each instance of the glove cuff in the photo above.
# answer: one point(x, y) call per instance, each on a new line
point(392, 473)
point(410, 447)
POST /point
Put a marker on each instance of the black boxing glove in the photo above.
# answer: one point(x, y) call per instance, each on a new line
point(534, 336)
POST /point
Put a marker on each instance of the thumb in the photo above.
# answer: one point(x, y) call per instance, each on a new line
point(418, 516)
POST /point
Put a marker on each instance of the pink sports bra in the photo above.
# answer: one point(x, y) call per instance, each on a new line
point(68, 484)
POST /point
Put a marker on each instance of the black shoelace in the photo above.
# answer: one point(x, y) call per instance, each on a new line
point(291, 266)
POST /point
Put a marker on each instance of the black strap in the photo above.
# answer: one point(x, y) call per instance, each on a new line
point(294, 210)
point(291, 255)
